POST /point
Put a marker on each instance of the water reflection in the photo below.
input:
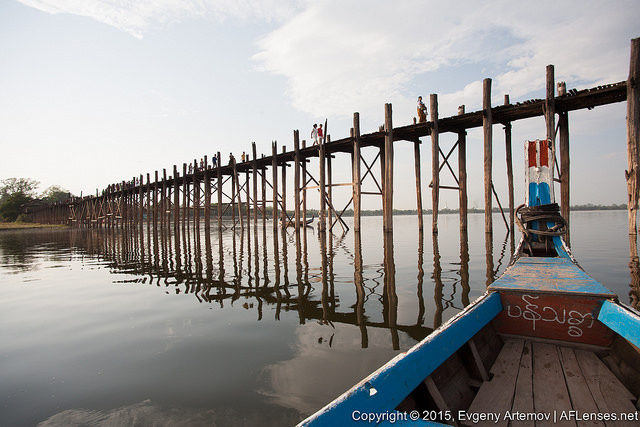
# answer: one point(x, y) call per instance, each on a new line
point(634, 270)
point(294, 302)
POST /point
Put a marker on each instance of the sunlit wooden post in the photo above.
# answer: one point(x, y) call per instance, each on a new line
point(388, 165)
point(435, 161)
point(487, 123)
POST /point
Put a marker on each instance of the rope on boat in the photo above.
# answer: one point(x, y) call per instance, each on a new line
point(544, 213)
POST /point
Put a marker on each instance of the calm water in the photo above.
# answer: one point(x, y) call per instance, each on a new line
point(233, 329)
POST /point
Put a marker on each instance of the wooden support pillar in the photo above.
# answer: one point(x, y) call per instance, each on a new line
point(207, 197)
point(435, 162)
point(176, 200)
point(264, 199)
point(323, 209)
point(296, 178)
point(155, 202)
point(487, 123)
point(388, 165)
point(565, 174)
point(416, 159)
point(462, 174)
point(196, 196)
point(550, 118)
point(357, 190)
point(329, 185)
point(185, 194)
point(164, 202)
point(148, 201)
point(633, 134)
point(274, 185)
point(248, 205)
point(284, 190)
point(140, 201)
point(304, 186)
point(507, 143)
point(237, 192)
point(254, 166)
point(219, 181)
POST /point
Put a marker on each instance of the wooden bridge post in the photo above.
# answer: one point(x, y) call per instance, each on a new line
point(329, 172)
point(148, 191)
point(284, 190)
point(163, 205)
point(357, 189)
point(248, 205)
point(155, 202)
point(565, 173)
point(196, 197)
point(304, 187)
point(550, 117)
point(234, 198)
point(323, 209)
point(185, 195)
point(176, 200)
point(487, 123)
point(633, 134)
point(274, 185)
point(254, 165)
point(207, 197)
point(435, 162)
point(219, 180)
point(507, 143)
point(140, 201)
point(264, 199)
point(296, 178)
point(388, 165)
point(416, 158)
point(462, 174)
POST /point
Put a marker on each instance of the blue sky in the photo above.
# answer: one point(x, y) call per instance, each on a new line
point(94, 92)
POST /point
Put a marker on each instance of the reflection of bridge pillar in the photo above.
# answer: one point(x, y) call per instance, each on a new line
point(437, 280)
point(390, 290)
point(359, 283)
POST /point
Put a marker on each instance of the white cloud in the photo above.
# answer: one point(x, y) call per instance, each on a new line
point(136, 17)
point(343, 56)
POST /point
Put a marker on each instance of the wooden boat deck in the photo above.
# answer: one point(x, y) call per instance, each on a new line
point(536, 377)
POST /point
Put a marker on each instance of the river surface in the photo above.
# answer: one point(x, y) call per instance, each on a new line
point(231, 328)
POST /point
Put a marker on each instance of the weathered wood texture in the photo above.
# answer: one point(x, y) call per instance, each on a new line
point(435, 162)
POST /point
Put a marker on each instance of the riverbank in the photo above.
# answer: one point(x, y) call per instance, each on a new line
point(4, 226)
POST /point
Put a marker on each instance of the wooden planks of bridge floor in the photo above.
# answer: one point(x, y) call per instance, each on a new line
point(542, 378)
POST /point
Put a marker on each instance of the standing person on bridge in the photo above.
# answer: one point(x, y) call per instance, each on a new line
point(243, 157)
point(314, 134)
point(231, 158)
point(320, 134)
point(214, 160)
point(422, 111)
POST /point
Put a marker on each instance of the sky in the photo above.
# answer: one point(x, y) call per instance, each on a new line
point(99, 91)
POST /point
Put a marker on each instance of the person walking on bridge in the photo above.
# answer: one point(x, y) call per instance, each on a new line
point(314, 134)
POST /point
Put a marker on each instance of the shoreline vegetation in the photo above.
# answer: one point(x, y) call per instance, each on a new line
point(27, 225)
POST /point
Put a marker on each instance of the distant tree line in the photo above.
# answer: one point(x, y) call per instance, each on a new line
point(16, 194)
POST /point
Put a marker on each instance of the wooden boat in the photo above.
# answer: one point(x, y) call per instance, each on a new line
point(545, 345)
point(291, 223)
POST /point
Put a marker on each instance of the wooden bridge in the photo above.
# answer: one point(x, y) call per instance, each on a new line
point(180, 197)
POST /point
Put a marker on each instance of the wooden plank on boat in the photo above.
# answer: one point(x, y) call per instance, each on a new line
point(608, 392)
point(453, 383)
point(581, 397)
point(497, 395)
point(550, 394)
point(545, 274)
point(523, 398)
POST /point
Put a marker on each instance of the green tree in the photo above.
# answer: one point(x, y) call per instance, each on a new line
point(15, 193)
point(54, 194)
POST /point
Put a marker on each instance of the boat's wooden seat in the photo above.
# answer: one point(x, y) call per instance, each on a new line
point(543, 378)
